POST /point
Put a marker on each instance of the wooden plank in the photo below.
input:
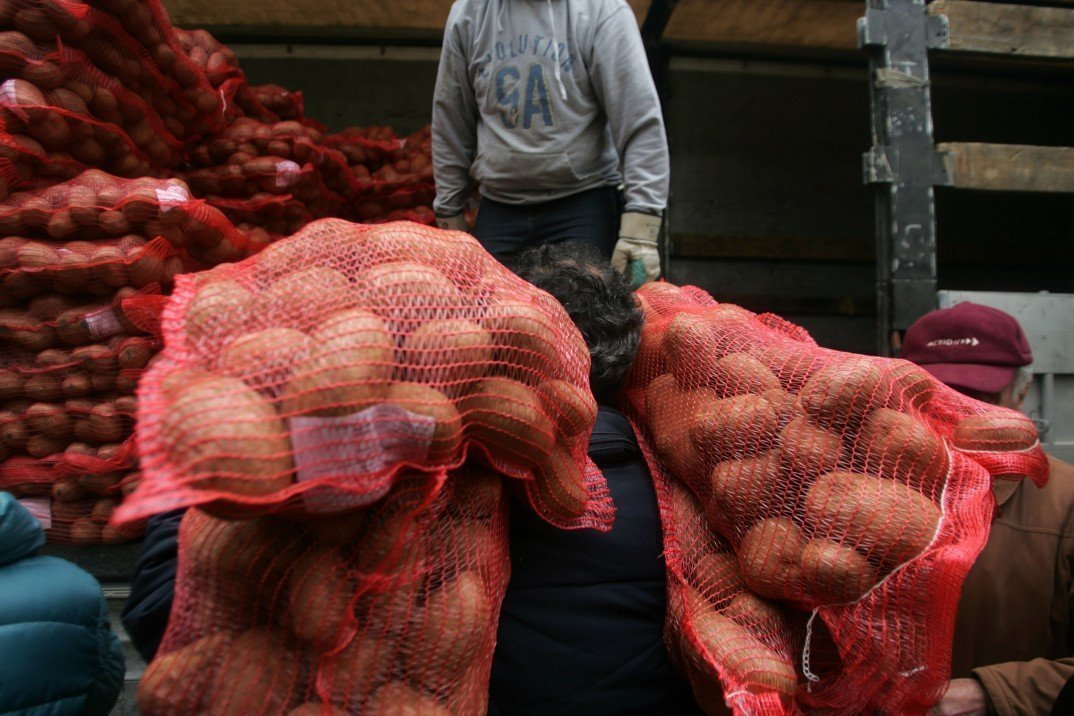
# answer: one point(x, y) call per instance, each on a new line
point(641, 9)
point(824, 24)
point(337, 16)
point(421, 17)
point(1019, 30)
point(781, 248)
point(1008, 167)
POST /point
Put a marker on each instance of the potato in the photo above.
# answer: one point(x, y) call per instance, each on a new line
point(448, 353)
point(42, 445)
point(218, 308)
point(787, 406)
point(392, 544)
point(768, 557)
point(447, 433)
point(508, 419)
point(303, 297)
point(573, 409)
point(524, 337)
point(717, 577)
point(883, 518)
point(363, 664)
point(743, 657)
point(739, 374)
point(746, 490)
point(651, 358)
point(11, 382)
point(692, 349)
point(407, 294)
point(909, 387)
point(68, 489)
point(49, 420)
point(237, 554)
point(995, 432)
point(807, 450)
point(105, 425)
point(897, 446)
point(318, 596)
point(103, 509)
point(760, 616)
point(398, 699)
point(736, 427)
point(456, 624)
point(834, 574)
point(691, 530)
point(221, 435)
point(134, 352)
point(265, 359)
point(177, 682)
point(841, 395)
point(85, 531)
point(99, 483)
point(559, 482)
point(259, 674)
point(673, 414)
point(348, 369)
point(13, 429)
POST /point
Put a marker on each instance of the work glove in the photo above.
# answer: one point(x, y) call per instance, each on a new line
point(452, 223)
point(637, 247)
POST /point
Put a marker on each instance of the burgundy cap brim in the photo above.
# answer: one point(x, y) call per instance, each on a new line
point(981, 378)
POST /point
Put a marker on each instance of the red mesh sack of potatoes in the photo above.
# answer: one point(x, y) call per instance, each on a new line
point(125, 44)
point(305, 378)
point(278, 100)
point(821, 509)
point(96, 233)
point(392, 609)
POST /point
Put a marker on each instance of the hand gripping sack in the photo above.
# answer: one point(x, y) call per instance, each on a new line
point(820, 508)
point(306, 378)
point(392, 609)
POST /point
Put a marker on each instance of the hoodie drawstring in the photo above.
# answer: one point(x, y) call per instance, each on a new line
point(555, 52)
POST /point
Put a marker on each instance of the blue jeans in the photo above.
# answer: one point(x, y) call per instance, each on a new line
point(589, 217)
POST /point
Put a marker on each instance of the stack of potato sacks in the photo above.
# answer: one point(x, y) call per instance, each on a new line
point(76, 261)
point(341, 411)
point(394, 178)
point(820, 508)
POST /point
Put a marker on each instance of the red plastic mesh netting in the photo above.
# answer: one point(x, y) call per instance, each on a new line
point(306, 378)
point(820, 508)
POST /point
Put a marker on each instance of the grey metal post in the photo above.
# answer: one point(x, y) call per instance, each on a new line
point(902, 162)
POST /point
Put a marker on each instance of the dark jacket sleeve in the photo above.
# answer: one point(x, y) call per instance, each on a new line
point(145, 615)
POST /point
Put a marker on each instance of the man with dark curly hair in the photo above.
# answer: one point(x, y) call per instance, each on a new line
point(581, 629)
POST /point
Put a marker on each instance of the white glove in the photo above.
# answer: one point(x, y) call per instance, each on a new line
point(637, 243)
point(452, 223)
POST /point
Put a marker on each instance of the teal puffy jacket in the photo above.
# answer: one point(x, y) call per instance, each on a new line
point(58, 655)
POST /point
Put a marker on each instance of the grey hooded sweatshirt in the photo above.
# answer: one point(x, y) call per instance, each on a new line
point(540, 99)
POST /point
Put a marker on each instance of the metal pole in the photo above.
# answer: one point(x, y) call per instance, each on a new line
point(902, 162)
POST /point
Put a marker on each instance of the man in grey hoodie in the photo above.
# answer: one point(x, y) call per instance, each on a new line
point(550, 106)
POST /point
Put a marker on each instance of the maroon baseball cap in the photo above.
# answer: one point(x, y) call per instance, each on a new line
point(968, 346)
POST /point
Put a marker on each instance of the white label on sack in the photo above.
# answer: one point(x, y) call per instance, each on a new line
point(353, 451)
point(172, 196)
point(287, 173)
point(40, 508)
point(103, 323)
point(9, 98)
